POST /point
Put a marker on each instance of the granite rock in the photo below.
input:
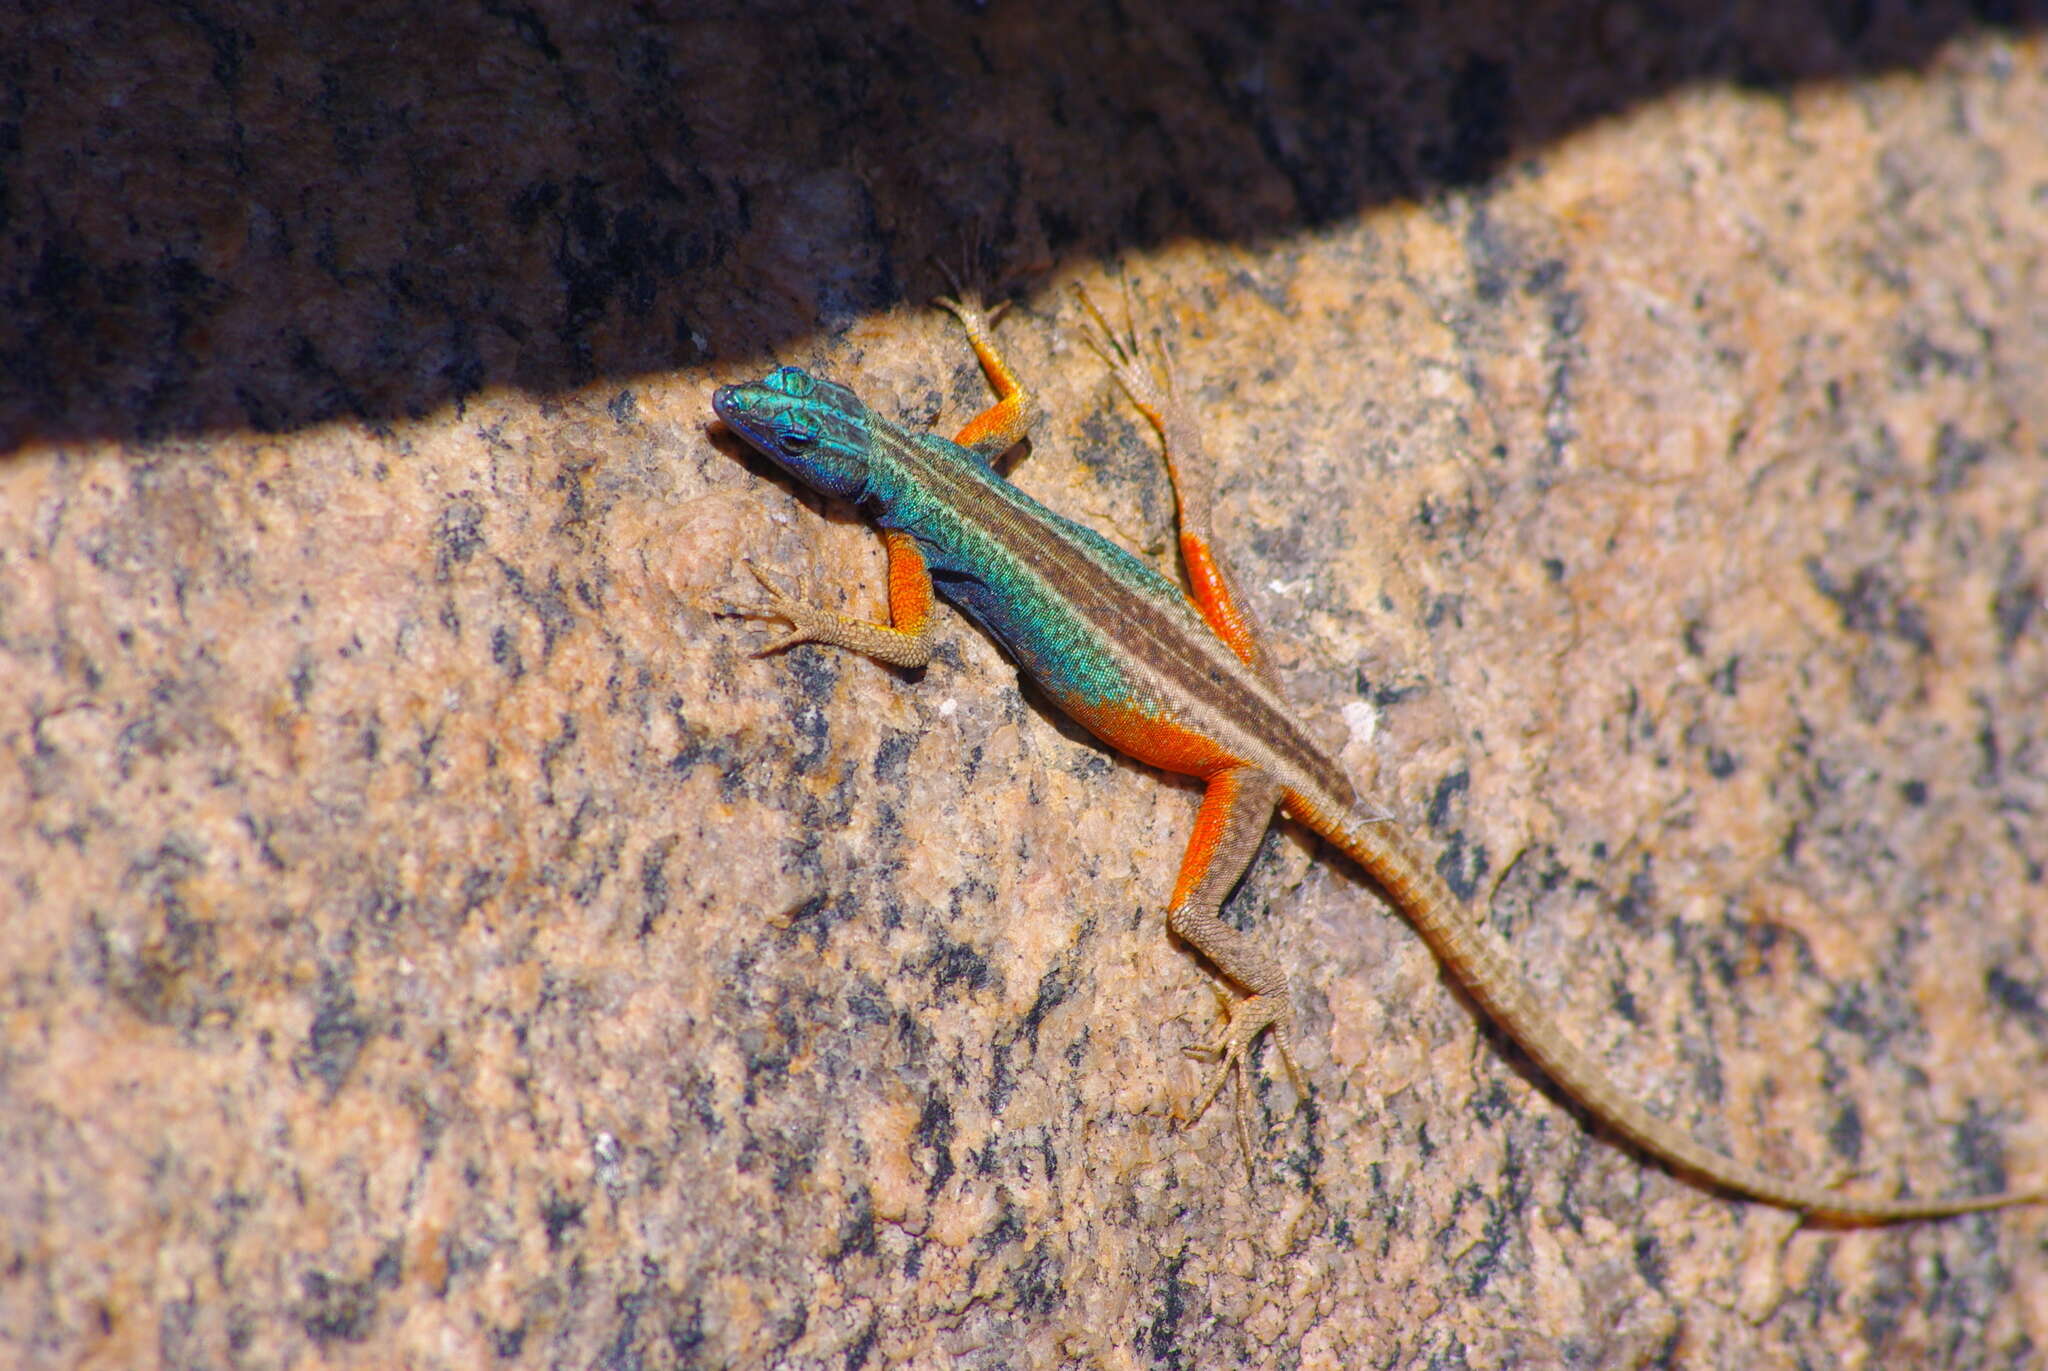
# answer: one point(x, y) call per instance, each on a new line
point(433, 939)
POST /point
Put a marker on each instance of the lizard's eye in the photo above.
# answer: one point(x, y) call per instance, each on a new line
point(795, 439)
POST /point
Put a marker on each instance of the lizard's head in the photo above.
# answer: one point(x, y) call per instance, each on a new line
point(816, 430)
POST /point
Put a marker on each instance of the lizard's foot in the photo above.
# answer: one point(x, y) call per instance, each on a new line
point(965, 304)
point(1148, 381)
point(1247, 1020)
point(807, 623)
point(966, 301)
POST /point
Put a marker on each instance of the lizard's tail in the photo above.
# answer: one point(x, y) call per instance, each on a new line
point(1480, 962)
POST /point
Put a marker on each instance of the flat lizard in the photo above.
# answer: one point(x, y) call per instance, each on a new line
point(1187, 687)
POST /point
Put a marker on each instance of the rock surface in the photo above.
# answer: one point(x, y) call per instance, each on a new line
point(431, 938)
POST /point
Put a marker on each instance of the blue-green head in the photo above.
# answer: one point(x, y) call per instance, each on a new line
point(816, 430)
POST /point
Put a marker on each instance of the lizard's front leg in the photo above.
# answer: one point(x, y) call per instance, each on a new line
point(906, 640)
point(1003, 424)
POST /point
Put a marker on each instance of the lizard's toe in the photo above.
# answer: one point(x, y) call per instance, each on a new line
point(1233, 1054)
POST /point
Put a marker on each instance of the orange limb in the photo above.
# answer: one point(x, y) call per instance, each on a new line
point(910, 584)
point(1003, 424)
point(1215, 595)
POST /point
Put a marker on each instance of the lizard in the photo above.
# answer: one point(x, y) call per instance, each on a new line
point(1180, 681)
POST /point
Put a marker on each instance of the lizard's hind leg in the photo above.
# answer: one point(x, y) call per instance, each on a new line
point(1154, 389)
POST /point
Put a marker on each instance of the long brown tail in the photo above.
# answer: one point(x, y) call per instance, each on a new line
point(1477, 958)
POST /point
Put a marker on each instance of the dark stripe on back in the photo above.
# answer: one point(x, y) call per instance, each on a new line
point(1191, 657)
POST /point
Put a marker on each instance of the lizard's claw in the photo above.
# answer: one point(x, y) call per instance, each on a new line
point(965, 303)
